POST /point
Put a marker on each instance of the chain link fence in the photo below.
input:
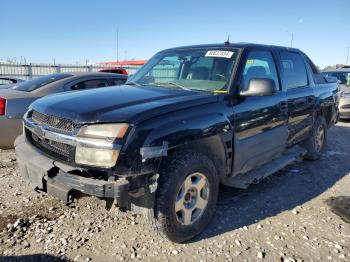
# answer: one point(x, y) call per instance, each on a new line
point(29, 71)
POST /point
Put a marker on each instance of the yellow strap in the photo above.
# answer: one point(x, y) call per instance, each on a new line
point(221, 91)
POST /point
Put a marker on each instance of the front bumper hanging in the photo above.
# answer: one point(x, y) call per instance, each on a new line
point(41, 172)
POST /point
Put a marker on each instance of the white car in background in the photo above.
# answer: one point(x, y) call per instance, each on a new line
point(343, 76)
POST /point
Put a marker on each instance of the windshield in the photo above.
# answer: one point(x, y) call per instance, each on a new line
point(31, 85)
point(188, 69)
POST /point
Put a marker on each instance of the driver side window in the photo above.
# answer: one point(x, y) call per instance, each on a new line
point(259, 64)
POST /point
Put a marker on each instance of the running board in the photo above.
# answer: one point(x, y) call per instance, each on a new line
point(244, 180)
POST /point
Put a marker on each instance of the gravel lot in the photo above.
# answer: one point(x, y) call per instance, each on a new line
point(300, 214)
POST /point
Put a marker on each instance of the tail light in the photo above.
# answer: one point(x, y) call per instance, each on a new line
point(2, 106)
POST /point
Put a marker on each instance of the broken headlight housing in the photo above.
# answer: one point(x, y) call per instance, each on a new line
point(102, 153)
point(106, 131)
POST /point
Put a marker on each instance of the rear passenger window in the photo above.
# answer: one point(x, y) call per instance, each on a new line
point(6, 81)
point(89, 84)
point(294, 73)
point(259, 64)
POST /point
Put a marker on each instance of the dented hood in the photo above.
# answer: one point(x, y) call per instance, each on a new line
point(126, 103)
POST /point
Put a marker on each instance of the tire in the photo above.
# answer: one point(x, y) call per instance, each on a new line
point(180, 187)
point(312, 144)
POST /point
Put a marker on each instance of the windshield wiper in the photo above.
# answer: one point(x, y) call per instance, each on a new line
point(174, 84)
point(131, 83)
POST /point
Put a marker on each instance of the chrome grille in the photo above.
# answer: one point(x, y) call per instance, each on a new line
point(56, 149)
point(54, 122)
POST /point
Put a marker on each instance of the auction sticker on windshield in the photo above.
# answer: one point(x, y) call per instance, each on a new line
point(219, 53)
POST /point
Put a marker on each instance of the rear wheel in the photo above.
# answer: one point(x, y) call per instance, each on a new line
point(186, 196)
point(316, 141)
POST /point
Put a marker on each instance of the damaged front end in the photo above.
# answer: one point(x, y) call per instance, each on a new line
point(64, 159)
point(66, 182)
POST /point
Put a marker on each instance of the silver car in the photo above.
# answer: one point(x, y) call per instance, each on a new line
point(343, 76)
point(15, 100)
point(7, 82)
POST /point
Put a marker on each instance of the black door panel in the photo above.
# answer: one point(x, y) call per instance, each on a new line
point(300, 95)
point(260, 131)
point(260, 122)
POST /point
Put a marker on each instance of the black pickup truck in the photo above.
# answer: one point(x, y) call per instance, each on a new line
point(190, 119)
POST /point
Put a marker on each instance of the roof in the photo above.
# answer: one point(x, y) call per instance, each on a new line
point(233, 45)
point(205, 46)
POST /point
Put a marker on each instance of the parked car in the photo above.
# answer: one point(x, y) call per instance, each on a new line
point(116, 70)
point(7, 82)
point(14, 101)
point(343, 76)
point(190, 119)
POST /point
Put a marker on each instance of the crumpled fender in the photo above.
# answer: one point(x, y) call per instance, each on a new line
point(172, 134)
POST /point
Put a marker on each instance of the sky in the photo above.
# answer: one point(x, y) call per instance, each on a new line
point(76, 31)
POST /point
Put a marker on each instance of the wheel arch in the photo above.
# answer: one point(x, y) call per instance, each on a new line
point(217, 148)
point(326, 112)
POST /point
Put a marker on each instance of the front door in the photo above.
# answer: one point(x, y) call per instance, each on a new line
point(260, 122)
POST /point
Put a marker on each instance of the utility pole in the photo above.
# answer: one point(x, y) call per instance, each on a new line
point(117, 45)
point(347, 56)
point(291, 39)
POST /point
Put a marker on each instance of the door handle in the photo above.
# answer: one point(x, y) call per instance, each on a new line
point(310, 100)
point(283, 105)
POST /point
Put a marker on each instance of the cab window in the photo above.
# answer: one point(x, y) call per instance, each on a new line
point(294, 72)
point(117, 81)
point(4, 81)
point(89, 84)
point(259, 64)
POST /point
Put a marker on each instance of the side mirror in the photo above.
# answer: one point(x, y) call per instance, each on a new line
point(259, 87)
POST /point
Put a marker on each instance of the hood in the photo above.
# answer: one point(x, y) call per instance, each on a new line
point(125, 103)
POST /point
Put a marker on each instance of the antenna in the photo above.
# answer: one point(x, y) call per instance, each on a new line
point(228, 40)
point(117, 44)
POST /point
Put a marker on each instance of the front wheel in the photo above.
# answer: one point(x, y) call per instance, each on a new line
point(316, 141)
point(186, 196)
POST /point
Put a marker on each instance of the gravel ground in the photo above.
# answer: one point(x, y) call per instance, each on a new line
point(301, 213)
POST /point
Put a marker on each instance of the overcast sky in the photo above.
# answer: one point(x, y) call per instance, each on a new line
point(73, 31)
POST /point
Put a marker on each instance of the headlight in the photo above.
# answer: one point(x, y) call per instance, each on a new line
point(94, 156)
point(345, 94)
point(104, 131)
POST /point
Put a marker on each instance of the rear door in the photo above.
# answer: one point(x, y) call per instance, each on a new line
point(260, 122)
point(300, 95)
